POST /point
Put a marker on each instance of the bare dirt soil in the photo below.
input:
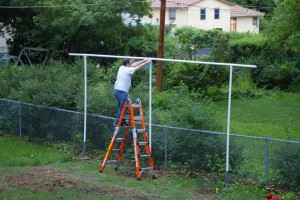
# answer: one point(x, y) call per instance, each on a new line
point(49, 179)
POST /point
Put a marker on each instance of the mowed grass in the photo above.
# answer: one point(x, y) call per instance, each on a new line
point(273, 116)
point(17, 152)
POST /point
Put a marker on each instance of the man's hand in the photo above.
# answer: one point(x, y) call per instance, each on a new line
point(142, 64)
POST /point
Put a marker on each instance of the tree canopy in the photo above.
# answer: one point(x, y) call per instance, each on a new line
point(284, 29)
point(71, 26)
point(266, 6)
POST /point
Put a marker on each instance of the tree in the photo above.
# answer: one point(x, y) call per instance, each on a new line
point(82, 28)
point(266, 6)
point(284, 28)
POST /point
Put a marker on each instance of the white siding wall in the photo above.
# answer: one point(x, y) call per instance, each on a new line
point(245, 24)
point(193, 18)
point(210, 22)
point(181, 16)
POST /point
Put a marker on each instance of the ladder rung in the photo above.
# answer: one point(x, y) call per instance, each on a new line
point(120, 139)
point(112, 161)
point(115, 149)
point(134, 105)
point(146, 155)
point(124, 127)
point(135, 118)
point(140, 130)
point(147, 168)
point(143, 143)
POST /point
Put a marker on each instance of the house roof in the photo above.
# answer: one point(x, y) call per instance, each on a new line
point(239, 11)
point(235, 10)
point(181, 3)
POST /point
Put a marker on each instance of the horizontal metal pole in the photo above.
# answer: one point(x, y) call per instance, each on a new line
point(164, 59)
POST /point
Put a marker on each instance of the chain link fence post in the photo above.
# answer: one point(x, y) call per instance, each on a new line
point(166, 147)
point(266, 161)
point(20, 120)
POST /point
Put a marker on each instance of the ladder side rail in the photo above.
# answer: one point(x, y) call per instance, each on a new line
point(147, 146)
point(135, 142)
point(110, 147)
point(122, 113)
point(122, 145)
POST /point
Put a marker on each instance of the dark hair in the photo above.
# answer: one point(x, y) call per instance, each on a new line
point(126, 61)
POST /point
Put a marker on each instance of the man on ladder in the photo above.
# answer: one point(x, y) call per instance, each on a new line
point(140, 137)
point(123, 83)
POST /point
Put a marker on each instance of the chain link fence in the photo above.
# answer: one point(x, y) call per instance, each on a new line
point(252, 159)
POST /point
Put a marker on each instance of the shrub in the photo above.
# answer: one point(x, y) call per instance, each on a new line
point(197, 77)
point(277, 76)
point(181, 108)
point(198, 151)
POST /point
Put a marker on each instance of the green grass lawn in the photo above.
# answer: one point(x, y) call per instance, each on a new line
point(273, 116)
point(80, 179)
point(16, 152)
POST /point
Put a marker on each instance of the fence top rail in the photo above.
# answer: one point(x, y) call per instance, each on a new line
point(164, 59)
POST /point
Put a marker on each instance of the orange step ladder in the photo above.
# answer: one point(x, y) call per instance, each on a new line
point(137, 133)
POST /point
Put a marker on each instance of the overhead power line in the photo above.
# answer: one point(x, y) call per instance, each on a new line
point(70, 5)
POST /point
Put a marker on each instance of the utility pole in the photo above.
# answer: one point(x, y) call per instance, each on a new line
point(159, 75)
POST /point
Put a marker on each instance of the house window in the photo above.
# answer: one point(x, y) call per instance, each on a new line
point(254, 21)
point(217, 13)
point(203, 14)
point(172, 14)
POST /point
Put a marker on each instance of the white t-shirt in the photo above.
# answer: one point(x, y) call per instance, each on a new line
point(123, 81)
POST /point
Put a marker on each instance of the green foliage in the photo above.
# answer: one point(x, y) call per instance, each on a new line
point(179, 107)
point(247, 46)
point(277, 76)
point(266, 6)
point(98, 28)
point(221, 51)
point(284, 28)
point(192, 38)
point(54, 85)
point(196, 77)
point(208, 150)
point(242, 87)
point(286, 166)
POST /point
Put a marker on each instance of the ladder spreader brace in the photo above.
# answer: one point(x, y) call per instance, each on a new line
point(131, 124)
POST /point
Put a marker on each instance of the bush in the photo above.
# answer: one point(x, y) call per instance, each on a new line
point(198, 151)
point(242, 87)
point(197, 77)
point(181, 108)
point(56, 84)
point(248, 46)
point(277, 76)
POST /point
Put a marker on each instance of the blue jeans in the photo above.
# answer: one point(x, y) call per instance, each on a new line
point(121, 97)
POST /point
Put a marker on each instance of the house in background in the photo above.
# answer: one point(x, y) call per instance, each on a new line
point(3, 45)
point(207, 14)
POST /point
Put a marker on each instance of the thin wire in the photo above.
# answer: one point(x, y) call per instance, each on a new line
point(108, 3)
point(225, 10)
point(70, 5)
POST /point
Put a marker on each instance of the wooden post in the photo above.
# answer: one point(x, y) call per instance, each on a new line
point(159, 75)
